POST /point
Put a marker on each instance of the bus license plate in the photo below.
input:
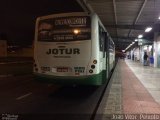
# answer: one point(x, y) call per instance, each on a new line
point(63, 69)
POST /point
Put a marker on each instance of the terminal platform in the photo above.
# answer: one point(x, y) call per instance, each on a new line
point(133, 89)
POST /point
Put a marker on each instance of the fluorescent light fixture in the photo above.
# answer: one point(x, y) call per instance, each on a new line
point(136, 40)
point(133, 42)
point(140, 36)
point(148, 29)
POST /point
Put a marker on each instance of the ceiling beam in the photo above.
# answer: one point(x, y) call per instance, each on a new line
point(124, 41)
point(85, 6)
point(120, 48)
point(122, 37)
point(136, 27)
point(138, 15)
point(115, 15)
point(124, 44)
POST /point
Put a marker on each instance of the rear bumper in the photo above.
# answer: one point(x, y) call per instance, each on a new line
point(97, 79)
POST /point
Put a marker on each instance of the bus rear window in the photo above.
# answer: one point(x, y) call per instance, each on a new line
point(64, 29)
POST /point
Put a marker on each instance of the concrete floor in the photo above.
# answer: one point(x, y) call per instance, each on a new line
point(134, 89)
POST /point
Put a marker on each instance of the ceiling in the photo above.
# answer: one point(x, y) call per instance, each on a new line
point(124, 19)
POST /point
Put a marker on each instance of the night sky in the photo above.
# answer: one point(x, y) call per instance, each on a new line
point(17, 17)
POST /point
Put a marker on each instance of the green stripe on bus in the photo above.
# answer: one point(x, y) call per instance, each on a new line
point(97, 79)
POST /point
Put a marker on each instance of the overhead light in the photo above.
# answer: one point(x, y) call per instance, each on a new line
point(148, 29)
point(136, 40)
point(133, 42)
point(140, 36)
point(159, 17)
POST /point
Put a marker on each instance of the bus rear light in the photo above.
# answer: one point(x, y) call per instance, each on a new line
point(76, 31)
point(90, 71)
point(92, 66)
point(95, 61)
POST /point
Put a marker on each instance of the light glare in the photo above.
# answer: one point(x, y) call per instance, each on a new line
point(140, 36)
point(76, 31)
point(148, 29)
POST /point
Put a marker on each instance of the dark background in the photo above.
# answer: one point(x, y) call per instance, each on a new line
point(17, 17)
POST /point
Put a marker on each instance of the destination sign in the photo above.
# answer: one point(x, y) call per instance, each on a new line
point(65, 29)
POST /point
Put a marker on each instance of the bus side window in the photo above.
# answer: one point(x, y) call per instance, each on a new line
point(102, 40)
point(104, 43)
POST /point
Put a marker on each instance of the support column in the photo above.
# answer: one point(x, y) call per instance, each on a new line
point(156, 51)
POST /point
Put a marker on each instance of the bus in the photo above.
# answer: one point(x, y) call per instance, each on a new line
point(72, 48)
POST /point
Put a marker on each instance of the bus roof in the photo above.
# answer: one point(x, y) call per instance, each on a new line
point(63, 15)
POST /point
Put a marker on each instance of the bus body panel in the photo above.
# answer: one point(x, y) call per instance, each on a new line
point(74, 57)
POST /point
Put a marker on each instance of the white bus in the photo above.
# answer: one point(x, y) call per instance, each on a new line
point(72, 48)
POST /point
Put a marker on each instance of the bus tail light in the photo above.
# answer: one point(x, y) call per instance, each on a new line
point(90, 71)
point(93, 66)
point(95, 61)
